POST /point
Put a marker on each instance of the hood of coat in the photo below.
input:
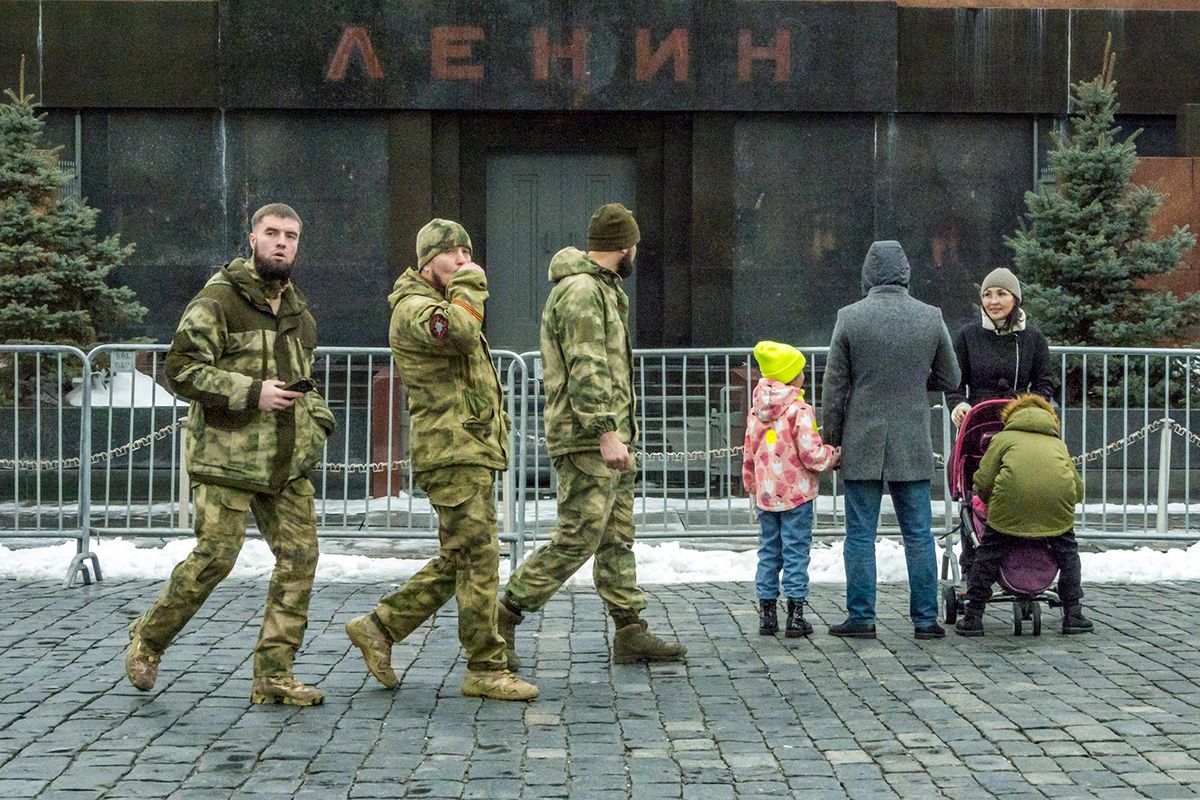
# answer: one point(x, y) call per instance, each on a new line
point(245, 278)
point(411, 282)
point(573, 261)
point(772, 398)
point(885, 265)
point(1030, 413)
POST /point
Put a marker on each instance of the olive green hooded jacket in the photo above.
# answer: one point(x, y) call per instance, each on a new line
point(1027, 478)
point(228, 342)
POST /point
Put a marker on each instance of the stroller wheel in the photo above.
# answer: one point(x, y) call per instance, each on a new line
point(949, 604)
point(1016, 607)
point(1037, 619)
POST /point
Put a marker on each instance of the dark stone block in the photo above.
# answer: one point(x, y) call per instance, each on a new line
point(971, 59)
point(1158, 65)
point(108, 53)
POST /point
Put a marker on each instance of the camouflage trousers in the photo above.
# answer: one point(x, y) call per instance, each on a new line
point(595, 517)
point(467, 566)
point(288, 522)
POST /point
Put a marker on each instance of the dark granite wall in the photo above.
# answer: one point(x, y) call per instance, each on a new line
point(923, 124)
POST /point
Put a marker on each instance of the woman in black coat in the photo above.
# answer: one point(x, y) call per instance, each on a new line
point(1002, 354)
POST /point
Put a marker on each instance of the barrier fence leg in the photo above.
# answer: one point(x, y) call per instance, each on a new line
point(1164, 477)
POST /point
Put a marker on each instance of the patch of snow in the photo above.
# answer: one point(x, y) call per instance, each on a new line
point(124, 390)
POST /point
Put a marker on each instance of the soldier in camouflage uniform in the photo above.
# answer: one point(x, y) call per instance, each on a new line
point(459, 432)
point(244, 337)
point(590, 426)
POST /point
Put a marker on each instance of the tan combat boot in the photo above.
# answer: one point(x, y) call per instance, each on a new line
point(369, 636)
point(507, 621)
point(285, 689)
point(497, 685)
point(633, 643)
point(141, 663)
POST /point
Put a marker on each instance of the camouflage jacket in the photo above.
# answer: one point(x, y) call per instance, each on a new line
point(227, 343)
point(454, 396)
point(587, 360)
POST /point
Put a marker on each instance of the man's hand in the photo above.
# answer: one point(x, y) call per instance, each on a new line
point(275, 398)
point(614, 452)
point(470, 266)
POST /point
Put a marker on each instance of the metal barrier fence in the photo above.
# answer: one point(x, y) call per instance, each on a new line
point(1123, 413)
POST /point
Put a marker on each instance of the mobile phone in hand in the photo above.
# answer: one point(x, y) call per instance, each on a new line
point(301, 385)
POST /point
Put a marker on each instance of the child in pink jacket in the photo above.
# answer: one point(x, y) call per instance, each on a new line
point(783, 452)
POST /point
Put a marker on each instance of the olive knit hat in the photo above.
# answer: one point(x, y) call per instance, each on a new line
point(612, 228)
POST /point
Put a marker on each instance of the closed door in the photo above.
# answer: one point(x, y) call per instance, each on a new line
point(537, 205)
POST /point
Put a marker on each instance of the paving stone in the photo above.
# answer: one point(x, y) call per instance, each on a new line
point(1111, 715)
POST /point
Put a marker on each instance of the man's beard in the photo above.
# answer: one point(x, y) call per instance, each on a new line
point(625, 265)
point(272, 270)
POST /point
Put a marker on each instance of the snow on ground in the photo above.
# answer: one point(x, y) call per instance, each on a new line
point(668, 562)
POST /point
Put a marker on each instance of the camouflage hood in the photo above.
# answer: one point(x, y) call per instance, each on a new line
point(573, 261)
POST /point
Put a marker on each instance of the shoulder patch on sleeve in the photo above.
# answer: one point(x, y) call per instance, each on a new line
point(439, 325)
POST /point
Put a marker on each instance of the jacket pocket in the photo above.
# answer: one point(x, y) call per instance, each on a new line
point(591, 464)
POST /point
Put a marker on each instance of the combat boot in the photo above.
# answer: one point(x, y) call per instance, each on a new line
point(633, 643)
point(1074, 621)
point(497, 684)
point(507, 620)
point(797, 625)
point(286, 690)
point(373, 640)
point(141, 663)
point(768, 618)
point(970, 623)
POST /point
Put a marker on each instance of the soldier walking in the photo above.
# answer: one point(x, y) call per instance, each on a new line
point(242, 339)
point(590, 426)
point(459, 435)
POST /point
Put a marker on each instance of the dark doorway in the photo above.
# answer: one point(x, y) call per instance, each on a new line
point(537, 205)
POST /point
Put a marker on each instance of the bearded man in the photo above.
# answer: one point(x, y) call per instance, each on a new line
point(243, 355)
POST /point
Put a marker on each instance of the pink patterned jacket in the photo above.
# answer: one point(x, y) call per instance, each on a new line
point(782, 448)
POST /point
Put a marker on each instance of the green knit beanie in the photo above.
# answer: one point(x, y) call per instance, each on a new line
point(438, 236)
point(612, 228)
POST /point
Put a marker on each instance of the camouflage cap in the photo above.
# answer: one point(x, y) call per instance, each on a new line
point(438, 236)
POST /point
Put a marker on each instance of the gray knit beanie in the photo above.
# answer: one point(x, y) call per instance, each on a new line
point(1001, 278)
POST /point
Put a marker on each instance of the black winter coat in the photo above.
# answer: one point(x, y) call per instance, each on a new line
point(995, 365)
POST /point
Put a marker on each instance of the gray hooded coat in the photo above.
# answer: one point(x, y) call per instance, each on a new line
point(888, 350)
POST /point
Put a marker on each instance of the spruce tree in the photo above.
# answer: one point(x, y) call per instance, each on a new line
point(1083, 252)
point(53, 266)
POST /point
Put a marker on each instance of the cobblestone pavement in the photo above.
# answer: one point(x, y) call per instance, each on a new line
point(1112, 715)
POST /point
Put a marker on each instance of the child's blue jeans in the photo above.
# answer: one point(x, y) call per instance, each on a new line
point(784, 542)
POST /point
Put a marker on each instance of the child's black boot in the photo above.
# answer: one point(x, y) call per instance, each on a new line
point(797, 625)
point(970, 623)
point(768, 618)
point(1074, 621)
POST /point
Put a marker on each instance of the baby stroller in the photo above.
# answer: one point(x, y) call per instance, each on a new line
point(1028, 571)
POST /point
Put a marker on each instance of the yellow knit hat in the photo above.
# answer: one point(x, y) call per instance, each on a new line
point(780, 362)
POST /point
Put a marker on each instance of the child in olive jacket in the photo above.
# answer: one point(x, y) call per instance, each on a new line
point(1031, 487)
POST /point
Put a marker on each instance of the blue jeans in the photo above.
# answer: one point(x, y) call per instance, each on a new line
point(911, 500)
point(784, 542)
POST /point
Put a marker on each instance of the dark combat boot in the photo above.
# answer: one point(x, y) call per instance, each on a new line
point(1074, 621)
point(768, 618)
point(797, 625)
point(970, 623)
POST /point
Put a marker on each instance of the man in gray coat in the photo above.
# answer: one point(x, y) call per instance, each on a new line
point(888, 350)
